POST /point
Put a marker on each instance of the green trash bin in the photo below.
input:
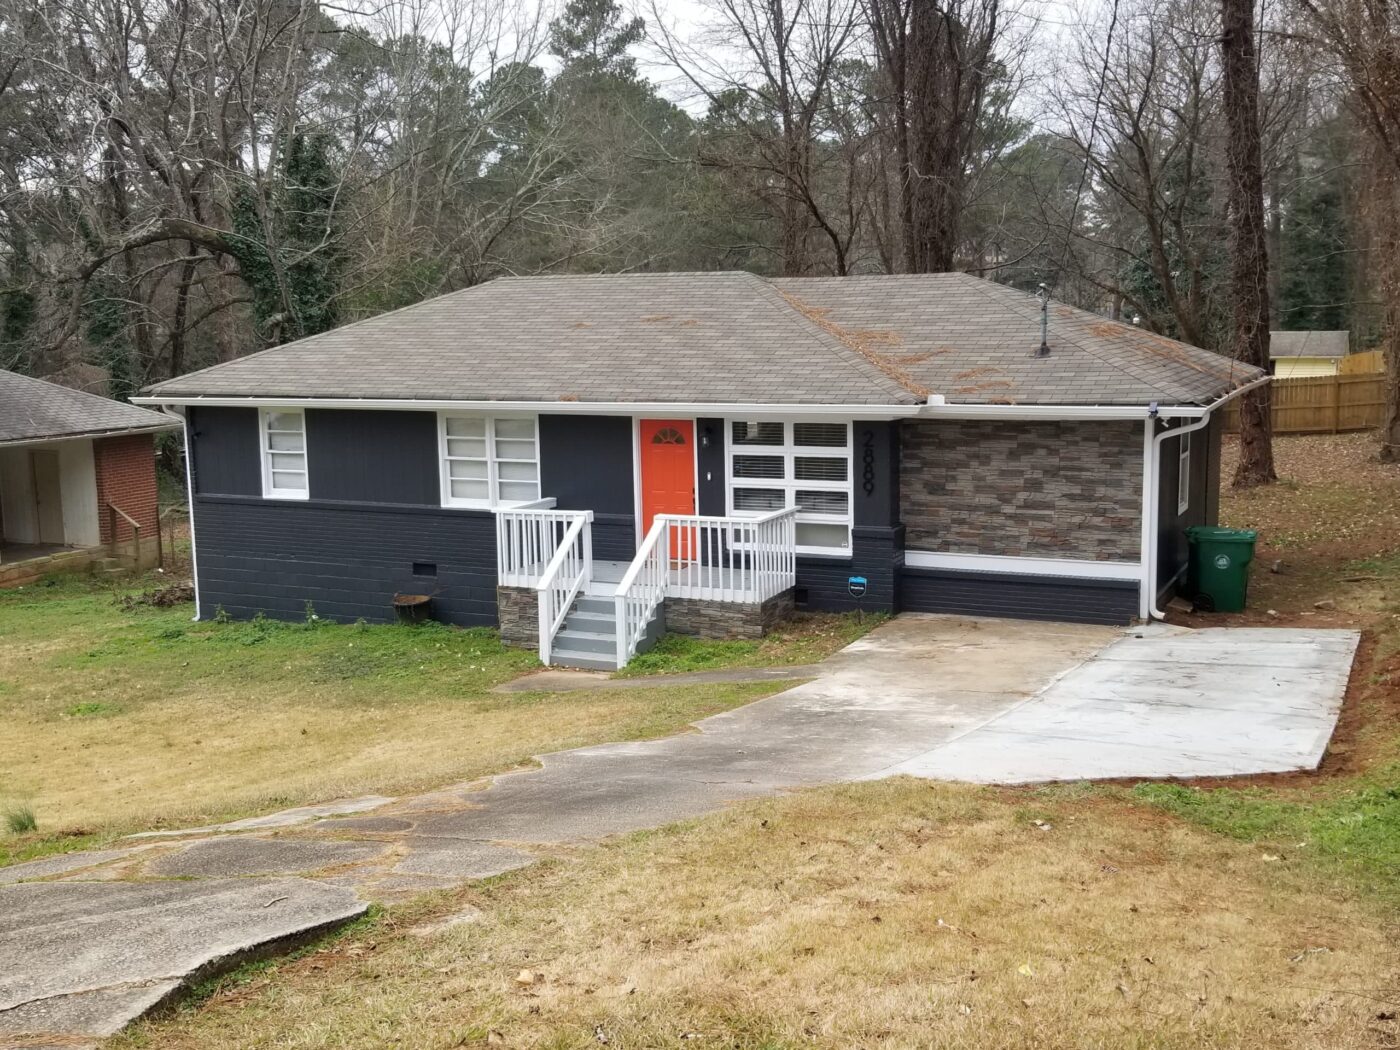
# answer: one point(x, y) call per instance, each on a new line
point(1218, 576)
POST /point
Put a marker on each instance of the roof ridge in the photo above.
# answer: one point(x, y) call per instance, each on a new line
point(986, 292)
point(801, 313)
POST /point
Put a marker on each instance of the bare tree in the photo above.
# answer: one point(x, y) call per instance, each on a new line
point(1363, 40)
point(1249, 255)
point(766, 70)
point(939, 60)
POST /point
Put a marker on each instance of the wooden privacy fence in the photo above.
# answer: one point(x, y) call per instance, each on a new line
point(1368, 361)
point(1322, 404)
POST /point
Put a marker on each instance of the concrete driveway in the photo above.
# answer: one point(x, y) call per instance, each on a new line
point(1165, 702)
point(90, 941)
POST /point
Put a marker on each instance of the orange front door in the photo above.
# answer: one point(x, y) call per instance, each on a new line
point(668, 468)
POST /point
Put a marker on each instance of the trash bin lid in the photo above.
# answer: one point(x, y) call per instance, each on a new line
point(1220, 534)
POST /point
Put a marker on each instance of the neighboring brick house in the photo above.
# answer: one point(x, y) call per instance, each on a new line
point(587, 459)
point(67, 459)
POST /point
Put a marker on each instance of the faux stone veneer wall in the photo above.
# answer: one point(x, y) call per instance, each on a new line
point(703, 618)
point(1053, 489)
point(519, 612)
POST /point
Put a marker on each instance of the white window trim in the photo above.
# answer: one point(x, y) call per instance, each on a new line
point(789, 484)
point(265, 446)
point(492, 478)
point(1183, 475)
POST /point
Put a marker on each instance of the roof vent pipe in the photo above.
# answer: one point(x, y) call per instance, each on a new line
point(1043, 350)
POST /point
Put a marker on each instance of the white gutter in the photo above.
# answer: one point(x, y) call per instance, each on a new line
point(189, 500)
point(934, 408)
point(1050, 412)
point(1152, 495)
point(628, 408)
point(87, 435)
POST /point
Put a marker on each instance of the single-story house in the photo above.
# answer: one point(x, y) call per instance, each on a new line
point(77, 474)
point(1295, 355)
point(584, 459)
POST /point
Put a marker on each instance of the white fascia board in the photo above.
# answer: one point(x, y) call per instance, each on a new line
point(595, 408)
point(90, 435)
point(1079, 568)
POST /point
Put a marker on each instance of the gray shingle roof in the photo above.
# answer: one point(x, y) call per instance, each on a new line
point(973, 341)
point(32, 410)
point(1309, 344)
point(728, 338)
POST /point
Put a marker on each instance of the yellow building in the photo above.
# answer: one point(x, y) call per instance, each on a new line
point(1299, 354)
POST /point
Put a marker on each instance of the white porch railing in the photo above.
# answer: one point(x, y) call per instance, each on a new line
point(526, 538)
point(568, 573)
point(719, 559)
point(642, 589)
point(733, 559)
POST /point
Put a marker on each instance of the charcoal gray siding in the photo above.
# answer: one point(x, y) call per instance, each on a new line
point(877, 553)
point(586, 464)
point(226, 456)
point(348, 560)
point(1204, 509)
point(364, 456)
point(1018, 596)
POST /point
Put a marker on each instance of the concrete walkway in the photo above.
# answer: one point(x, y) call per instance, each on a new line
point(933, 696)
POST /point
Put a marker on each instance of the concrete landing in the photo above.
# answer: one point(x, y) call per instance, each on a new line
point(1166, 702)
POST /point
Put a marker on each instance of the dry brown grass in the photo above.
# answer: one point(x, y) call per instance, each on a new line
point(897, 914)
point(122, 718)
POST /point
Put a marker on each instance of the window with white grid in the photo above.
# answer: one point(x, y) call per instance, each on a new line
point(283, 440)
point(773, 465)
point(489, 460)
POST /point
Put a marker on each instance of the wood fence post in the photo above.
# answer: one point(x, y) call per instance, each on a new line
point(1336, 404)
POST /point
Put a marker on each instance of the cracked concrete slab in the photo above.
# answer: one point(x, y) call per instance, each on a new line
point(252, 855)
point(83, 957)
point(284, 818)
point(65, 863)
point(459, 858)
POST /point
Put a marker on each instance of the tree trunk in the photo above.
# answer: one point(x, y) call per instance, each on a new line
point(1249, 263)
point(1387, 198)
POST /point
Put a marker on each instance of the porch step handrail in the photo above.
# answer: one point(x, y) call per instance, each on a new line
point(569, 571)
point(642, 589)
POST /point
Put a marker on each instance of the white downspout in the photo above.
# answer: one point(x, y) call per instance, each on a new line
point(189, 497)
point(1155, 498)
point(1153, 495)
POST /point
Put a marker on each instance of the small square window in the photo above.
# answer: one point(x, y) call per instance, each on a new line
point(424, 568)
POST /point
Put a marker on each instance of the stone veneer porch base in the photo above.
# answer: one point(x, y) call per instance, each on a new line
point(705, 618)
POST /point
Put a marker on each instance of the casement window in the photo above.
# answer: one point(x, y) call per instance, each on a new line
point(774, 465)
point(489, 460)
point(1183, 475)
point(283, 453)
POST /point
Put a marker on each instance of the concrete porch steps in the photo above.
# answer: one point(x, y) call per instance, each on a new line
point(588, 638)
